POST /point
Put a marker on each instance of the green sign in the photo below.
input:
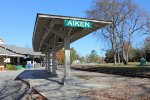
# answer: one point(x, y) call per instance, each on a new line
point(77, 23)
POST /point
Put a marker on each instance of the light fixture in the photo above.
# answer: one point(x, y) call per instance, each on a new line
point(50, 48)
point(59, 40)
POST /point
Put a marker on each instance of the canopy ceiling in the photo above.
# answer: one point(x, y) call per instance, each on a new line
point(49, 26)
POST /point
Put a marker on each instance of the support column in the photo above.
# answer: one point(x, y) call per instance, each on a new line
point(13, 60)
point(33, 64)
point(54, 56)
point(46, 67)
point(54, 59)
point(18, 60)
point(66, 79)
point(49, 69)
point(51, 61)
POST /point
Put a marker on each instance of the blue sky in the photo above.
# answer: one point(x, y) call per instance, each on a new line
point(17, 18)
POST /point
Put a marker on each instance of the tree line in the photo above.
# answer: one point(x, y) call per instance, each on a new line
point(135, 54)
point(93, 57)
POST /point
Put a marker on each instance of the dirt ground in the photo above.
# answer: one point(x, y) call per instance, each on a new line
point(122, 87)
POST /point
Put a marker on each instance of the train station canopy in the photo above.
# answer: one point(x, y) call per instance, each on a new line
point(48, 27)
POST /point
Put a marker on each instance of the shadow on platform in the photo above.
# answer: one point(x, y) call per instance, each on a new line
point(38, 74)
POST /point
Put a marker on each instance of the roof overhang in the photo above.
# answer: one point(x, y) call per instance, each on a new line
point(20, 50)
point(48, 26)
point(5, 52)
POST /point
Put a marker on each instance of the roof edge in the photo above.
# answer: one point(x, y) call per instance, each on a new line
point(70, 17)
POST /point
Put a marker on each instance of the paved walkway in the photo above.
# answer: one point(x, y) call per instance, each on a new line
point(51, 88)
point(11, 89)
point(83, 85)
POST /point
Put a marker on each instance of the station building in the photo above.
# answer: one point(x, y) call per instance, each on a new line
point(15, 55)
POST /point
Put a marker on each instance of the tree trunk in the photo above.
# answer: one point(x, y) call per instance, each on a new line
point(128, 49)
point(115, 58)
point(127, 53)
point(127, 57)
point(114, 53)
point(113, 42)
point(118, 57)
point(117, 49)
point(123, 55)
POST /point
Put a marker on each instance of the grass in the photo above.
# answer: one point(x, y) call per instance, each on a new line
point(131, 70)
point(130, 64)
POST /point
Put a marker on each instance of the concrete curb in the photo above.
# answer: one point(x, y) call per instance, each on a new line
point(28, 85)
point(33, 90)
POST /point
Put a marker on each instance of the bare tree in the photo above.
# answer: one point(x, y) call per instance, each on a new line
point(148, 25)
point(109, 10)
point(126, 21)
point(135, 23)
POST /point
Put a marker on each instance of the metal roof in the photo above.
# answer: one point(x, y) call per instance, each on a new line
point(48, 26)
point(20, 50)
point(5, 52)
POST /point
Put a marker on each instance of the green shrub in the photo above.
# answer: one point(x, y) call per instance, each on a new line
point(10, 67)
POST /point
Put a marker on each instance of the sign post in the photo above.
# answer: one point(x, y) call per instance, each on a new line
point(72, 24)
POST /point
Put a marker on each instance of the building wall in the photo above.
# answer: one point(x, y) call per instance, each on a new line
point(1, 61)
point(1, 41)
point(7, 60)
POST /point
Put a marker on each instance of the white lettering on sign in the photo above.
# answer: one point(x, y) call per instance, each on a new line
point(70, 23)
point(87, 24)
point(77, 23)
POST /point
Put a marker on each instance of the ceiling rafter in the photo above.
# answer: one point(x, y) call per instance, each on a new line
point(51, 24)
